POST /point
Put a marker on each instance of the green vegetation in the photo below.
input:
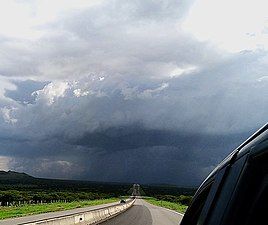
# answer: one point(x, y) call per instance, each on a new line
point(26, 209)
point(177, 203)
point(155, 190)
point(21, 194)
point(18, 197)
point(19, 188)
point(169, 205)
point(181, 199)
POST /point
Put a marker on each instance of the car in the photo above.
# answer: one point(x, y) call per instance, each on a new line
point(236, 191)
point(122, 201)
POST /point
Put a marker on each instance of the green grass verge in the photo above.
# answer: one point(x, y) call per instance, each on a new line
point(30, 209)
point(169, 205)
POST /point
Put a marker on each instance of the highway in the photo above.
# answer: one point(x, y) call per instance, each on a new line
point(143, 213)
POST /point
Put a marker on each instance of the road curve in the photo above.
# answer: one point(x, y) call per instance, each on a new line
point(143, 213)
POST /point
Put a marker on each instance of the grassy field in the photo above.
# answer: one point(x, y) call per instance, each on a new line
point(169, 205)
point(23, 210)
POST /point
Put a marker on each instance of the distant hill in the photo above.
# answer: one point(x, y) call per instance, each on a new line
point(11, 180)
point(12, 175)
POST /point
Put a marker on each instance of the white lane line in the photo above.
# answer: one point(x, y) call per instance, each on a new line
point(181, 214)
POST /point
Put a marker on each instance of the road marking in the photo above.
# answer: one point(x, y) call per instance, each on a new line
point(181, 214)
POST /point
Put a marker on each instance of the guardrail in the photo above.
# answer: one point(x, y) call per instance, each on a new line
point(86, 218)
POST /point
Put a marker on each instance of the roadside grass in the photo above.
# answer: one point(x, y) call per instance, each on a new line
point(169, 205)
point(31, 209)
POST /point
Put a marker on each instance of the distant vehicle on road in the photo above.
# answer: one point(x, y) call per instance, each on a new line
point(122, 201)
point(236, 192)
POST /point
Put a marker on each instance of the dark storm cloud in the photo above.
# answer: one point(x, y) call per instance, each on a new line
point(142, 133)
point(129, 137)
point(179, 158)
point(118, 92)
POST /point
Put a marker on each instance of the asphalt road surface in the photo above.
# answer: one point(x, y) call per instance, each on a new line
point(143, 213)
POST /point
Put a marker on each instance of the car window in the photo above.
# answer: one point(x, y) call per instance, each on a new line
point(193, 213)
point(259, 208)
point(259, 211)
point(226, 189)
point(249, 205)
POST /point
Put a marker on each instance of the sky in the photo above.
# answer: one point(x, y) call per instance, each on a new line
point(144, 91)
